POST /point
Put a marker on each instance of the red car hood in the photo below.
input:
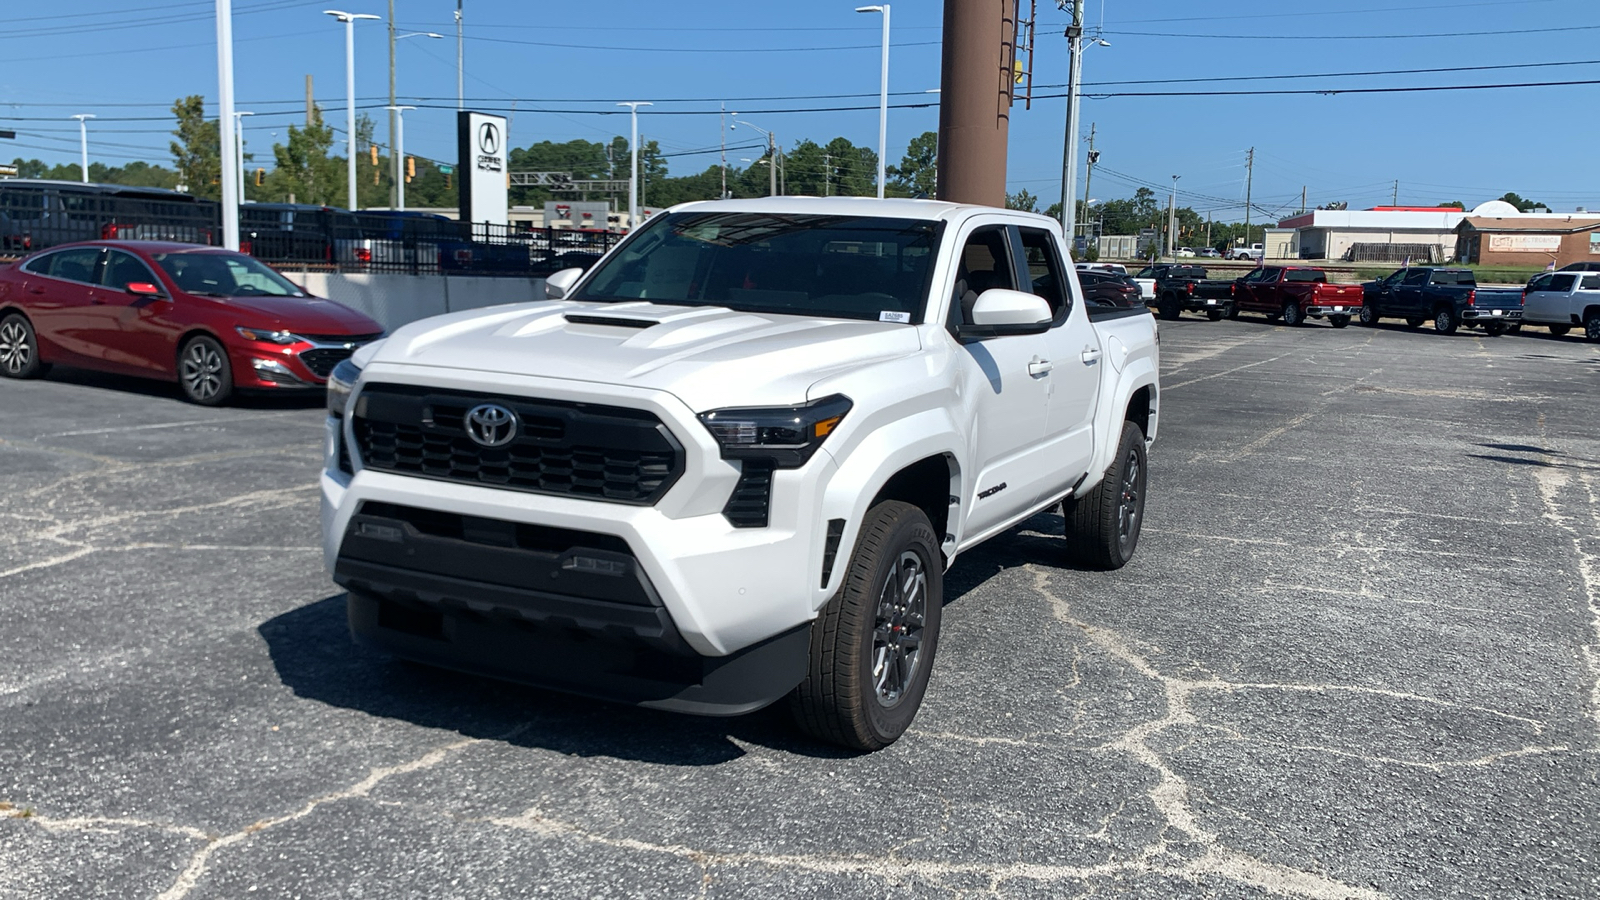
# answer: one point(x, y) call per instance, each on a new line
point(308, 315)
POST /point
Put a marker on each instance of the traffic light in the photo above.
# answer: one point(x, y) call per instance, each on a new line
point(447, 184)
point(261, 177)
point(374, 149)
point(411, 168)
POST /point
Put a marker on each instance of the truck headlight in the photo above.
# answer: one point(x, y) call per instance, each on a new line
point(341, 381)
point(787, 435)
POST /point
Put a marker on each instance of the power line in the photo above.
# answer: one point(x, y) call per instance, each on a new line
point(1349, 37)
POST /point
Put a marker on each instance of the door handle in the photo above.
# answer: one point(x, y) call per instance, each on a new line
point(1040, 367)
point(1091, 355)
point(36, 290)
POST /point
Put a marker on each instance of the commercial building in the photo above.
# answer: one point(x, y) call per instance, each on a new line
point(1529, 240)
point(1382, 234)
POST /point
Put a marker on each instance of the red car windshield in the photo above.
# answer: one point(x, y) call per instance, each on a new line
point(224, 275)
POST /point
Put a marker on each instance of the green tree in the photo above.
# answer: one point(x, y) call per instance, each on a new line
point(1522, 205)
point(197, 152)
point(304, 172)
point(1455, 203)
point(919, 167)
point(1023, 200)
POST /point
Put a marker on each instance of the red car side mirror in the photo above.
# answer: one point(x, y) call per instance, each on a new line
point(144, 289)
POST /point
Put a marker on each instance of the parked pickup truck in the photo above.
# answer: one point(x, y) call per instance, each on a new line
point(1294, 293)
point(1450, 297)
point(1254, 251)
point(1184, 287)
point(732, 461)
point(1561, 300)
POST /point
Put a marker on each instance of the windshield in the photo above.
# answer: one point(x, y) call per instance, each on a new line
point(849, 267)
point(225, 275)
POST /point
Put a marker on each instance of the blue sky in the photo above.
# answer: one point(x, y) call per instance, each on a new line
point(566, 64)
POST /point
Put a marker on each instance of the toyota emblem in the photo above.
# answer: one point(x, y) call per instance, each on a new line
point(489, 138)
point(491, 425)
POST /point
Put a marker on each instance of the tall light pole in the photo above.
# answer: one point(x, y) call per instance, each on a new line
point(400, 149)
point(226, 165)
point(461, 70)
point(883, 92)
point(238, 145)
point(349, 20)
point(1172, 219)
point(83, 143)
point(395, 177)
point(1069, 148)
point(633, 153)
point(772, 154)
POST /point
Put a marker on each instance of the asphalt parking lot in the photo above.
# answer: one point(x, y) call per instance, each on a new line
point(1357, 656)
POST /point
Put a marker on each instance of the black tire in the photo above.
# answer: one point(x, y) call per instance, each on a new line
point(1339, 321)
point(1495, 329)
point(851, 695)
point(1369, 316)
point(1445, 320)
point(1169, 309)
point(19, 348)
point(1591, 325)
point(1560, 330)
point(1516, 329)
point(1214, 315)
point(204, 372)
point(1415, 323)
point(1292, 315)
point(1102, 529)
point(1233, 311)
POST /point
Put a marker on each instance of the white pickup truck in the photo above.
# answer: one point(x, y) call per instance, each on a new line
point(731, 462)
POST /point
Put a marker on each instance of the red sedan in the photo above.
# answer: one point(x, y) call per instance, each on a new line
point(212, 320)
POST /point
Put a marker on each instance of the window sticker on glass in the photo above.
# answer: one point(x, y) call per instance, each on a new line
point(903, 318)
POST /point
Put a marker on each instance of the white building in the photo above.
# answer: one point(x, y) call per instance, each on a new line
point(1385, 234)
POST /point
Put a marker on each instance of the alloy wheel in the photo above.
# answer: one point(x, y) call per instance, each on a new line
point(1128, 506)
point(15, 350)
point(897, 633)
point(202, 370)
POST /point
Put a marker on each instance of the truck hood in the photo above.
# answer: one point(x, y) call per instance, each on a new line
point(708, 357)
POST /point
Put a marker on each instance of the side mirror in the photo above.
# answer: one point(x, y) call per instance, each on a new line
point(144, 289)
point(1003, 313)
point(557, 285)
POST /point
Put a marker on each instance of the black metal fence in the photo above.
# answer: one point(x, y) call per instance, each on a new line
point(35, 215)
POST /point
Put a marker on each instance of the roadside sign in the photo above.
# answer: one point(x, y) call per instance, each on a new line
point(7, 170)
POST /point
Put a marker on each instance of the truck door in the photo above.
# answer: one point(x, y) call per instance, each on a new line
point(1003, 380)
point(1074, 360)
point(1536, 299)
point(1409, 294)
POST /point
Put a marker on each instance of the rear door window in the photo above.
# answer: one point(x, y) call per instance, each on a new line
point(1590, 283)
point(77, 264)
point(1044, 271)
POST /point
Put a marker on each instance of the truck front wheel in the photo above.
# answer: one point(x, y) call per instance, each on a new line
point(872, 646)
point(1292, 314)
point(1102, 529)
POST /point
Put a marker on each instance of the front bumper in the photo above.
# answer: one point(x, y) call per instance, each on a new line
point(523, 585)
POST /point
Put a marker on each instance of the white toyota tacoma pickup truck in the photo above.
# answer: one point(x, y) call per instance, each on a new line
point(731, 462)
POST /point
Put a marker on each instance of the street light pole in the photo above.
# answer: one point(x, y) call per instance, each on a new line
point(883, 93)
point(349, 20)
point(226, 122)
point(400, 150)
point(83, 143)
point(238, 143)
point(633, 153)
point(772, 155)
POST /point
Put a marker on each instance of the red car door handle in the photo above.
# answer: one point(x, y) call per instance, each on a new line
point(37, 290)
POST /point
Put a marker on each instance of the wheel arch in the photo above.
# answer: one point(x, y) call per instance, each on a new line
point(42, 347)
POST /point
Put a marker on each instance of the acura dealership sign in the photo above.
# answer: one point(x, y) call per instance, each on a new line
point(483, 145)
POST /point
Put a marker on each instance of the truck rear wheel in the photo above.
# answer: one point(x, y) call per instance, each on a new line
point(1495, 329)
point(1214, 315)
point(1339, 321)
point(1560, 330)
point(1102, 529)
point(1169, 309)
point(872, 646)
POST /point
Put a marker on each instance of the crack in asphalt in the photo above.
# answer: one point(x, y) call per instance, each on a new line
point(1579, 528)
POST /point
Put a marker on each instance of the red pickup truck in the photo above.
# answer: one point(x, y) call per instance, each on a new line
point(1295, 293)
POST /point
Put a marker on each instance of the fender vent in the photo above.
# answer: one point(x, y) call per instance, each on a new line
point(830, 550)
point(751, 501)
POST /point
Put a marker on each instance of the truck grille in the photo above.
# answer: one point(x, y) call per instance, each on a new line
point(567, 449)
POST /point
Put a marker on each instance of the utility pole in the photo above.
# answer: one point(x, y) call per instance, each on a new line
point(772, 166)
point(461, 94)
point(1302, 199)
point(310, 103)
point(827, 175)
point(1172, 219)
point(633, 154)
point(1249, 184)
point(1069, 148)
point(226, 123)
point(1208, 228)
point(1088, 182)
point(1396, 192)
point(724, 194)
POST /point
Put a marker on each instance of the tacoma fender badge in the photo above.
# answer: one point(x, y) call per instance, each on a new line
point(982, 495)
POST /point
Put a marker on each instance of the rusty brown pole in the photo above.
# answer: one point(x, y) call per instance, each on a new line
point(975, 88)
